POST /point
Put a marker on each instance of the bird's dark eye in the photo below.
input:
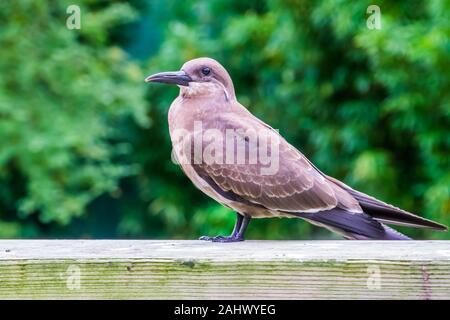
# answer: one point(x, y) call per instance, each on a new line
point(206, 71)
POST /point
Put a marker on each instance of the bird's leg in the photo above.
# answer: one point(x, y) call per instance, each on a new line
point(237, 234)
point(243, 228)
point(237, 225)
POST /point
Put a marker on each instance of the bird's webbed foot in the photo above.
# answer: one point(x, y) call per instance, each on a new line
point(231, 238)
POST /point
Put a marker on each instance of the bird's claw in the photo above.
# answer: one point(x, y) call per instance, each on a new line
point(222, 238)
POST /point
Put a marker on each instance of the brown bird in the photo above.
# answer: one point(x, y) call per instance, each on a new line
point(244, 164)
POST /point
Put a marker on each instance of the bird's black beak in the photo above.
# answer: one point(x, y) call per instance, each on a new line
point(175, 77)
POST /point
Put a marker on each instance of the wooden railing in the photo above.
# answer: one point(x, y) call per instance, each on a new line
point(138, 269)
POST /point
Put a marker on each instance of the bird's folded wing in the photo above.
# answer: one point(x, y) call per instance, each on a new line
point(281, 178)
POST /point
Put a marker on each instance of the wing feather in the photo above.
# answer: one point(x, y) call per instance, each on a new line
point(295, 186)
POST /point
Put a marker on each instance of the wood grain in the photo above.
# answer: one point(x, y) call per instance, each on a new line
point(141, 269)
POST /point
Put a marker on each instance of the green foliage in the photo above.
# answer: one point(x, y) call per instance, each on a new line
point(370, 107)
point(62, 94)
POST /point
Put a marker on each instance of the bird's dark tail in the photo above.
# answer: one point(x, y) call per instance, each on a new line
point(387, 213)
point(355, 226)
point(390, 234)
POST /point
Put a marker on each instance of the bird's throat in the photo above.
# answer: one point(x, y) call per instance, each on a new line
point(203, 90)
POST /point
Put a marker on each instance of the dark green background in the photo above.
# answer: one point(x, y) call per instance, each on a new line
point(85, 151)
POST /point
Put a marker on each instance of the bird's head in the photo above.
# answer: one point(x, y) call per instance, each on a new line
point(199, 78)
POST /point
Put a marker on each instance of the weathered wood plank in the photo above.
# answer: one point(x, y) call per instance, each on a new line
point(122, 269)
